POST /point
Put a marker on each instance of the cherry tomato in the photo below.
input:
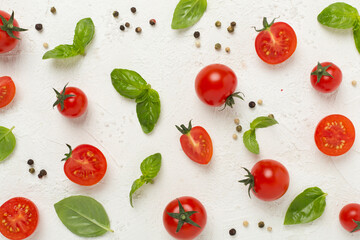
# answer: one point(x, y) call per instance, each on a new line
point(9, 32)
point(215, 85)
point(85, 165)
point(184, 218)
point(196, 143)
point(71, 102)
point(18, 218)
point(7, 91)
point(326, 77)
point(350, 217)
point(334, 135)
point(268, 180)
point(276, 42)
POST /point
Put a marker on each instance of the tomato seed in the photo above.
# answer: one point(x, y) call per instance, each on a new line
point(39, 26)
point(133, 10)
point(196, 34)
point(152, 22)
point(261, 224)
point(115, 14)
point(218, 24)
point(53, 10)
point(30, 162)
point(252, 104)
point(232, 232)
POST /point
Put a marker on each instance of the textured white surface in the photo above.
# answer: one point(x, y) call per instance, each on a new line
point(169, 61)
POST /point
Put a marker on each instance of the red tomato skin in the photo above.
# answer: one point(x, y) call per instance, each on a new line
point(75, 106)
point(349, 213)
point(273, 34)
point(327, 84)
point(7, 91)
point(7, 43)
point(8, 207)
point(79, 156)
point(271, 180)
point(188, 231)
point(215, 83)
point(349, 138)
point(197, 135)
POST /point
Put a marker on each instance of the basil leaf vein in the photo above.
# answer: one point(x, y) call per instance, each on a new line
point(7, 142)
point(187, 13)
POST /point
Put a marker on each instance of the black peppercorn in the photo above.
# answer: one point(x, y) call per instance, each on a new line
point(31, 170)
point(271, 116)
point(39, 26)
point(53, 10)
point(127, 24)
point(261, 224)
point(138, 29)
point(233, 24)
point(239, 128)
point(196, 34)
point(133, 10)
point(122, 28)
point(230, 29)
point(115, 13)
point(232, 232)
point(152, 22)
point(43, 172)
point(40, 175)
point(30, 162)
point(252, 104)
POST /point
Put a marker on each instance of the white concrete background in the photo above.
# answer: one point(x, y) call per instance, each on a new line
point(169, 61)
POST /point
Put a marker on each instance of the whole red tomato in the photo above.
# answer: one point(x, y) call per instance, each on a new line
point(215, 85)
point(9, 32)
point(268, 180)
point(326, 77)
point(184, 218)
point(18, 218)
point(350, 217)
point(276, 42)
point(71, 102)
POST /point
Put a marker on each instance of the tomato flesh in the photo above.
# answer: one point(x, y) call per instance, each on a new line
point(18, 218)
point(74, 106)
point(7, 91)
point(335, 135)
point(276, 44)
point(187, 231)
point(197, 145)
point(7, 43)
point(215, 83)
point(327, 84)
point(86, 166)
point(348, 215)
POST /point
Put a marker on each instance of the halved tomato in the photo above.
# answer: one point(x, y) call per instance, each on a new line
point(18, 218)
point(335, 135)
point(7, 91)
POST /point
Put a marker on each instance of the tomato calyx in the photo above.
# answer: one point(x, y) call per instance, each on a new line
point(357, 226)
point(183, 217)
point(230, 101)
point(61, 97)
point(266, 25)
point(67, 155)
point(249, 180)
point(9, 28)
point(184, 130)
point(321, 71)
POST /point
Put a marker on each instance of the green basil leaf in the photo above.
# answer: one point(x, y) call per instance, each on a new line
point(306, 207)
point(62, 51)
point(151, 166)
point(250, 142)
point(356, 32)
point(84, 33)
point(263, 122)
point(187, 13)
point(339, 15)
point(7, 142)
point(128, 83)
point(83, 216)
point(136, 185)
point(148, 111)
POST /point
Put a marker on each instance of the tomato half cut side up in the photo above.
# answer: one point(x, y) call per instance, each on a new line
point(18, 218)
point(276, 42)
point(335, 135)
point(85, 165)
point(7, 91)
point(196, 143)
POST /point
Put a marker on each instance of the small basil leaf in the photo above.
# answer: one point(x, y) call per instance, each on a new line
point(148, 111)
point(83, 216)
point(187, 13)
point(128, 83)
point(136, 185)
point(151, 166)
point(306, 207)
point(339, 15)
point(62, 51)
point(263, 122)
point(356, 32)
point(7, 142)
point(250, 142)
point(84, 33)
